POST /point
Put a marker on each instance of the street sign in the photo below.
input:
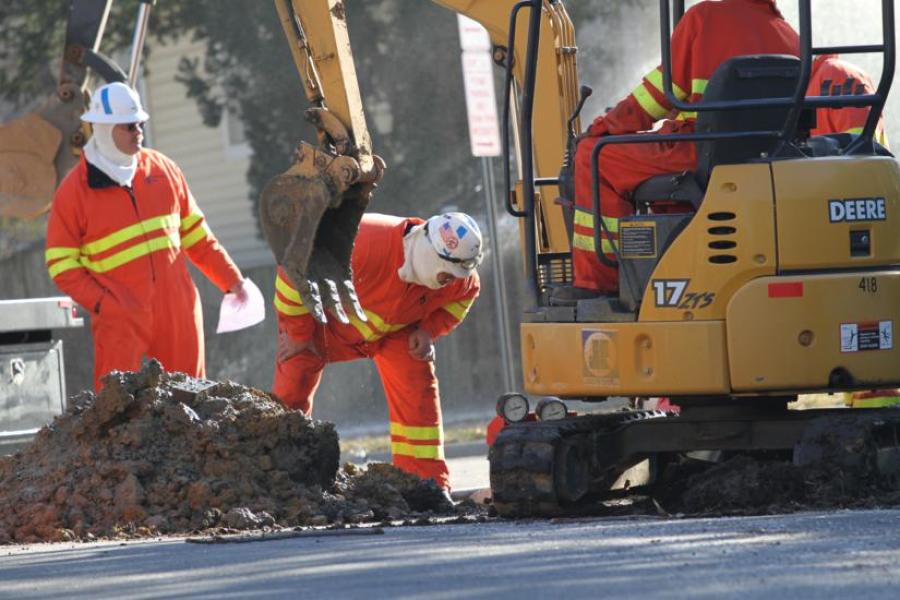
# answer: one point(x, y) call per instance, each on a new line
point(478, 78)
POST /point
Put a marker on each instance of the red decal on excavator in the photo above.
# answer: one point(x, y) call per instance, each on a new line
point(786, 290)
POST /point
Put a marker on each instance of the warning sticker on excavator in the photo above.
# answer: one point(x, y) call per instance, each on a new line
point(867, 335)
point(599, 356)
point(637, 239)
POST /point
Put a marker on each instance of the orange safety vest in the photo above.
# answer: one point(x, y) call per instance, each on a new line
point(832, 76)
point(707, 35)
point(103, 238)
point(389, 303)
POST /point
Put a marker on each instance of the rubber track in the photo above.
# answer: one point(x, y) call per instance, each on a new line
point(522, 461)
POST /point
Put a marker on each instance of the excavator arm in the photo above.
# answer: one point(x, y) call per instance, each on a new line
point(310, 213)
point(39, 148)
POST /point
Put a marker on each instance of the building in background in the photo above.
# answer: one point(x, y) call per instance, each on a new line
point(214, 160)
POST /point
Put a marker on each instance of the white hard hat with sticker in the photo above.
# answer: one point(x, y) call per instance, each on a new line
point(115, 103)
point(457, 239)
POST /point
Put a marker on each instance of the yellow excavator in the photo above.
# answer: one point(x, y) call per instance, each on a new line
point(783, 279)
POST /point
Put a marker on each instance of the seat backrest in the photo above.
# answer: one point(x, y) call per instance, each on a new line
point(744, 78)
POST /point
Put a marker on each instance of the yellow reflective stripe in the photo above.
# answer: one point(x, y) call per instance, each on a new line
point(684, 116)
point(118, 259)
point(290, 310)
point(415, 451)
point(656, 80)
point(648, 102)
point(61, 252)
point(698, 86)
point(877, 402)
point(63, 266)
point(190, 220)
point(363, 329)
point(586, 219)
point(286, 290)
point(586, 242)
point(194, 236)
point(458, 309)
point(130, 232)
point(880, 136)
point(416, 433)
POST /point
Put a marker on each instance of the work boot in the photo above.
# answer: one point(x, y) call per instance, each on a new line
point(570, 295)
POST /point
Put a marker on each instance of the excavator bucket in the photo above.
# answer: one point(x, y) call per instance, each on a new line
point(310, 213)
point(28, 147)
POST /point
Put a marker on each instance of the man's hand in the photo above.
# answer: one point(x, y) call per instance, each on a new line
point(240, 290)
point(288, 347)
point(421, 346)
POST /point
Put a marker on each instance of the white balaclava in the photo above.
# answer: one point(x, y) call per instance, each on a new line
point(421, 263)
point(101, 152)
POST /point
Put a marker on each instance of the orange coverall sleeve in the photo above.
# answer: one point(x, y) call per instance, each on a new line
point(198, 240)
point(293, 316)
point(63, 249)
point(647, 103)
point(838, 78)
point(445, 319)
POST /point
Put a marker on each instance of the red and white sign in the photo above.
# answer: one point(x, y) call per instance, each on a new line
point(478, 77)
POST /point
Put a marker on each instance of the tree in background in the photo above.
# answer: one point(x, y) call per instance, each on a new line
point(407, 58)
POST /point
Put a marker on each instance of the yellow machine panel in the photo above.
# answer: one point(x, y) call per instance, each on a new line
point(728, 242)
point(629, 359)
point(837, 212)
point(795, 333)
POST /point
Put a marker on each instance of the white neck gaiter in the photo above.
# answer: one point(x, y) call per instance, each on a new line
point(421, 263)
point(101, 152)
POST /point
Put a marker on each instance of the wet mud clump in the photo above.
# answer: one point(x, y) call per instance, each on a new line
point(846, 462)
point(162, 453)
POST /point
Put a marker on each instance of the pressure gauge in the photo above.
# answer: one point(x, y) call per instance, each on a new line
point(512, 407)
point(551, 409)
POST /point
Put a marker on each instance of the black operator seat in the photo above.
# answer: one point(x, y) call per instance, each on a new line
point(738, 78)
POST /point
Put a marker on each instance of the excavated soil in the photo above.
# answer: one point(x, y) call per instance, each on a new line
point(160, 453)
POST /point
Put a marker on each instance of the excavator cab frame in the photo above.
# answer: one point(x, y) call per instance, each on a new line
point(751, 299)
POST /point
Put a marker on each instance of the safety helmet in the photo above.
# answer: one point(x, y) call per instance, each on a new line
point(115, 103)
point(457, 239)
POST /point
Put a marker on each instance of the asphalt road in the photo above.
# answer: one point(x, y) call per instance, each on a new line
point(810, 555)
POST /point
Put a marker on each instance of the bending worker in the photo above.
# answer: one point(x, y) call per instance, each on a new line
point(122, 225)
point(416, 281)
point(708, 34)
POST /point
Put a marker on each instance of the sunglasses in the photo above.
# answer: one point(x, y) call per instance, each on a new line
point(132, 127)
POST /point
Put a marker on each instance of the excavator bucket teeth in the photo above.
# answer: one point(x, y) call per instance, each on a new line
point(28, 147)
point(310, 215)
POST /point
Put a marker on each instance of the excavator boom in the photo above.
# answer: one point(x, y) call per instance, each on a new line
point(310, 213)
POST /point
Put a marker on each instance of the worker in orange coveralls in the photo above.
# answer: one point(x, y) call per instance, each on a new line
point(122, 223)
point(416, 281)
point(708, 34)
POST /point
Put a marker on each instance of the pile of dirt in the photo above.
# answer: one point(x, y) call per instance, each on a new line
point(850, 462)
point(161, 453)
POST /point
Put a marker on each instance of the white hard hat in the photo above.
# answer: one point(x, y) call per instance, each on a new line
point(115, 103)
point(457, 239)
